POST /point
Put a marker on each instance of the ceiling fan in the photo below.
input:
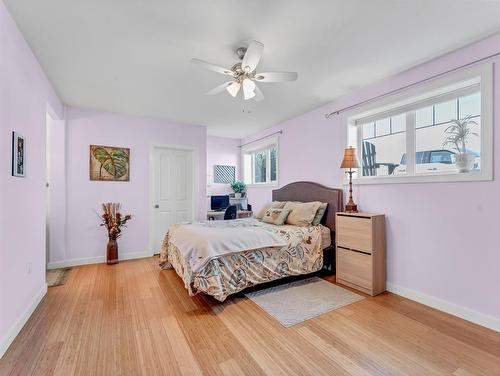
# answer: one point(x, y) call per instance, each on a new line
point(243, 74)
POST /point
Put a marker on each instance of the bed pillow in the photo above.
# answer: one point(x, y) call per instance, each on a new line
point(276, 216)
point(274, 205)
point(301, 213)
point(319, 214)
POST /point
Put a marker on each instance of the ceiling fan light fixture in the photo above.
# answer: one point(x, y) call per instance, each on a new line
point(248, 89)
point(233, 88)
point(250, 96)
point(244, 75)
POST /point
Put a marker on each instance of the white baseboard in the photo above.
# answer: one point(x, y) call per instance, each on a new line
point(23, 318)
point(95, 260)
point(445, 306)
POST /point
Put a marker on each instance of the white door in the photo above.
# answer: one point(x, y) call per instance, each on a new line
point(48, 126)
point(173, 191)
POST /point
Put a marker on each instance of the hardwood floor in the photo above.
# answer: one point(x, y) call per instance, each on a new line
point(135, 319)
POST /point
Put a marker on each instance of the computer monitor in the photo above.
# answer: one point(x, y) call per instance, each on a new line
point(219, 202)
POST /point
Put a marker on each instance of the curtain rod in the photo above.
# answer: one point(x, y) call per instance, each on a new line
point(338, 112)
point(262, 138)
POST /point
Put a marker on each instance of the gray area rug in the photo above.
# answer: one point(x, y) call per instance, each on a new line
point(298, 301)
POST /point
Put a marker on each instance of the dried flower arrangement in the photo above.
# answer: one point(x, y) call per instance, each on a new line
point(113, 221)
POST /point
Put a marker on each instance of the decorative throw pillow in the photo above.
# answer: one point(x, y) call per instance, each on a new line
point(275, 216)
point(274, 205)
point(301, 213)
point(319, 214)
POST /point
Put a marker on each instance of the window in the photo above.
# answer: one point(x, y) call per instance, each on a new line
point(406, 137)
point(382, 150)
point(260, 159)
point(430, 137)
point(260, 162)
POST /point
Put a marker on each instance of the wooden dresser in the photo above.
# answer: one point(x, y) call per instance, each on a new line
point(360, 254)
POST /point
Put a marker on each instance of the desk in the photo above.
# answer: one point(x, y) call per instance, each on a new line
point(219, 215)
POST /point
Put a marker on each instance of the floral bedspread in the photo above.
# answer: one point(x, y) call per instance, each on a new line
point(228, 274)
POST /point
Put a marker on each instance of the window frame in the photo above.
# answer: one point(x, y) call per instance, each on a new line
point(255, 148)
point(435, 88)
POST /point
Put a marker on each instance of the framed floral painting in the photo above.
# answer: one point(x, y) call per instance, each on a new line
point(18, 155)
point(108, 163)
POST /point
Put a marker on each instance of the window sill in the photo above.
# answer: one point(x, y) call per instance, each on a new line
point(259, 185)
point(424, 178)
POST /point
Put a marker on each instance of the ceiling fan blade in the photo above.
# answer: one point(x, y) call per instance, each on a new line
point(220, 88)
point(258, 94)
point(276, 76)
point(248, 89)
point(233, 88)
point(252, 56)
point(213, 67)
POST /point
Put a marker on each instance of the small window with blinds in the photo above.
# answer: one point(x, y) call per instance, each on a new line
point(434, 133)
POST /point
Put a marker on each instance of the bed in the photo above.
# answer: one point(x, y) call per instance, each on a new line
point(300, 253)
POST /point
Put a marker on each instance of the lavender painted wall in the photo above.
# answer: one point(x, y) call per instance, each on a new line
point(85, 127)
point(442, 239)
point(24, 95)
point(221, 151)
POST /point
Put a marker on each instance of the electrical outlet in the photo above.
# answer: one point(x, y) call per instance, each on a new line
point(29, 267)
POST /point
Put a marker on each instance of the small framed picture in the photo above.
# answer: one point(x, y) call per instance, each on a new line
point(18, 155)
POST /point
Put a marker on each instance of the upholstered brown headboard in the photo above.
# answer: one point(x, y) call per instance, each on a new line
point(306, 191)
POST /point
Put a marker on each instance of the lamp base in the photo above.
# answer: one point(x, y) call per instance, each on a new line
point(351, 208)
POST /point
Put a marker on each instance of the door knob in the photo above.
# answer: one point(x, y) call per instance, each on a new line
point(157, 206)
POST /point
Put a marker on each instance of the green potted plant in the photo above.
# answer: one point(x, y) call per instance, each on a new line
point(238, 187)
point(457, 136)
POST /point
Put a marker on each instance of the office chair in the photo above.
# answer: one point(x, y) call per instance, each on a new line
point(230, 213)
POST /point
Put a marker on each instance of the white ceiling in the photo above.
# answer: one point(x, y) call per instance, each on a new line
point(132, 56)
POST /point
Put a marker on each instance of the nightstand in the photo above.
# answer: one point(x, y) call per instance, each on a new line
point(360, 254)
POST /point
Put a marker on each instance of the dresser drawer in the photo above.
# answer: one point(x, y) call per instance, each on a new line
point(354, 267)
point(354, 233)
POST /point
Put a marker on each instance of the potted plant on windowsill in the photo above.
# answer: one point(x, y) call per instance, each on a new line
point(238, 187)
point(457, 136)
point(113, 221)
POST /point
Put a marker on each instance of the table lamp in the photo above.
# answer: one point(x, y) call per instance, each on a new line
point(350, 161)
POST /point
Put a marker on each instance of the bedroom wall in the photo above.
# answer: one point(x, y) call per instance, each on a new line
point(86, 241)
point(442, 242)
point(25, 93)
point(221, 151)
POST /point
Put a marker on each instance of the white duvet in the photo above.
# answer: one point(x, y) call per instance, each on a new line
point(201, 242)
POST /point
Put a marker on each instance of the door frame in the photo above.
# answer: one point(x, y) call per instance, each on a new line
point(195, 154)
point(55, 118)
